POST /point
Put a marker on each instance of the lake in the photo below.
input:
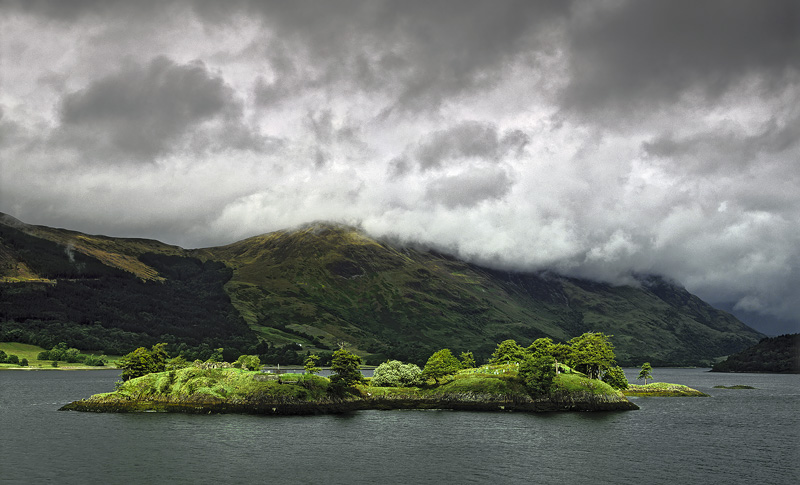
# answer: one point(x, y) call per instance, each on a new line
point(735, 436)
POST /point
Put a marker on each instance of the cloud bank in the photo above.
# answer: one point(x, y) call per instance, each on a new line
point(598, 139)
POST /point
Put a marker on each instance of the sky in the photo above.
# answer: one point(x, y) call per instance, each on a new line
point(598, 139)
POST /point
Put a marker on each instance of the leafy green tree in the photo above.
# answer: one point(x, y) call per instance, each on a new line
point(347, 368)
point(645, 373)
point(13, 359)
point(3, 357)
point(43, 355)
point(310, 364)
point(592, 353)
point(23, 362)
point(176, 363)
point(141, 362)
point(538, 371)
point(467, 360)
point(216, 356)
point(394, 373)
point(541, 346)
point(615, 377)
point(441, 363)
point(508, 351)
point(250, 362)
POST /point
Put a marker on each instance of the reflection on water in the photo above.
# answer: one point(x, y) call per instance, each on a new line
point(735, 436)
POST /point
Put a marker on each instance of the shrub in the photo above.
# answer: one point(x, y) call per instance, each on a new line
point(615, 377)
point(23, 362)
point(394, 373)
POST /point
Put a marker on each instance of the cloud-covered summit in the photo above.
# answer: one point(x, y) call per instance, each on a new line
point(599, 139)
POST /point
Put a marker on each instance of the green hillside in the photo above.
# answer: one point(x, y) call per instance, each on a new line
point(776, 354)
point(322, 284)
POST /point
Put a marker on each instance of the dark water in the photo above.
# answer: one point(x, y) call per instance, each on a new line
point(736, 436)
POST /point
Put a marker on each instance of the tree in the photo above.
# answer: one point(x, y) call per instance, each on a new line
point(592, 353)
point(310, 364)
point(615, 377)
point(541, 346)
point(216, 356)
point(249, 362)
point(13, 359)
point(645, 373)
point(394, 373)
point(141, 362)
point(537, 371)
point(441, 363)
point(467, 360)
point(3, 357)
point(347, 368)
point(508, 351)
point(23, 362)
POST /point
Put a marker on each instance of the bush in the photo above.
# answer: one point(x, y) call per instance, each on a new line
point(23, 362)
point(12, 359)
point(615, 377)
point(3, 357)
point(249, 362)
point(95, 360)
point(394, 373)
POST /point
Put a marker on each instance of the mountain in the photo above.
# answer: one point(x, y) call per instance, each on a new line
point(321, 284)
point(774, 354)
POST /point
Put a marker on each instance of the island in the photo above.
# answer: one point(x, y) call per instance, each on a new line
point(662, 389)
point(233, 390)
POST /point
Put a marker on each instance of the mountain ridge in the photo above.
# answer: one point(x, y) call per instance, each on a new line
point(322, 284)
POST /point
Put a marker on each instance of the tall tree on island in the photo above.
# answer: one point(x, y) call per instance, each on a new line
point(592, 353)
point(645, 373)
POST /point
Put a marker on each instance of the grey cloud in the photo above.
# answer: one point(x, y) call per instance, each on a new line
point(469, 189)
point(418, 52)
point(468, 139)
point(636, 54)
point(141, 111)
point(726, 148)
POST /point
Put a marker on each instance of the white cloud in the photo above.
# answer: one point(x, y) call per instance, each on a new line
point(524, 135)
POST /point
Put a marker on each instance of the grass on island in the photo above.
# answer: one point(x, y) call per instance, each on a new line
point(661, 389)
point(31, 352)
point(239, 384)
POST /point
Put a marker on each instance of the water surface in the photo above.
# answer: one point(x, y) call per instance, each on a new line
point(735, 436)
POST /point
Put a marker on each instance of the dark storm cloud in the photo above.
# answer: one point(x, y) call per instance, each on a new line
point(70, 10)
point(419, 52)
point(647, 53)
point(141, 111)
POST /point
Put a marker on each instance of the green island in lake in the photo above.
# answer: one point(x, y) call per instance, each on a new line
point(532, 379)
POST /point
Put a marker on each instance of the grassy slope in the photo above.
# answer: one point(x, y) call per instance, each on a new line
point(662, 389)
point(340, 285)
point(31, 352)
